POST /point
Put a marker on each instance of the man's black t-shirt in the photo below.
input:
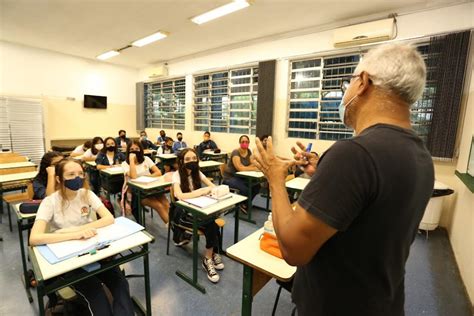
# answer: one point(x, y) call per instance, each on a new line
point(373, 189)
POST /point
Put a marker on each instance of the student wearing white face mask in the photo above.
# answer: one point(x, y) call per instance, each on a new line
point(91, 153)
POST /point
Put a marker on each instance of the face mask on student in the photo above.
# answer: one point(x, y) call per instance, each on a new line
point(192, 165)
point(110, 148)
point(180, 138)
point(99, 146)
point(244, 145)
point(74, 184)
point(122, 136)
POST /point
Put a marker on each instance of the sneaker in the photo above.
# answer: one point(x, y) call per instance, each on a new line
point(217, 261)
point(208, 266)
point(181, 239)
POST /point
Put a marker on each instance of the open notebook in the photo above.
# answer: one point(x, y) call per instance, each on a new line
point(121, 228)
point(206, 201)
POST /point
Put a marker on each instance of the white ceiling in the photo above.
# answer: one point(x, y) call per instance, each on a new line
point(87, 28)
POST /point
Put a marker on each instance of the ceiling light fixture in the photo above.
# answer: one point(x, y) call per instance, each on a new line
point(221, 11)
point(149, 39)
point(108, 55)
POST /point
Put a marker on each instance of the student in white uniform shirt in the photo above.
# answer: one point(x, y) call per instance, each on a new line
point(68, 213)
point(91, 153)
point(81, 149)
point(137, 165)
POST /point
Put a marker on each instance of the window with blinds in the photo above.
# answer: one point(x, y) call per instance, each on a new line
point(21, 127)
point(226, 101)
point(165, 104)
point(315, 95)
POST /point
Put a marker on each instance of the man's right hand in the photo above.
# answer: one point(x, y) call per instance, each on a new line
point(307, 161)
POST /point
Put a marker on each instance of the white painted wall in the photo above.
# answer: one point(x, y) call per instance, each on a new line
point(53, 77)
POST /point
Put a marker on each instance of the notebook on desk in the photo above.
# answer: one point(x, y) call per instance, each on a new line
point(145, 179)
point(206, 201)
point(121, 228)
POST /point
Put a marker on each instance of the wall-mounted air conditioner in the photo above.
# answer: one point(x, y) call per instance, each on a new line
point(157, 71)
point(364, 33)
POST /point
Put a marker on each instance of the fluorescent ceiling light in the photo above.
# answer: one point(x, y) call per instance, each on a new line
point(108, 55)
point(149, 39)
point(221, 11)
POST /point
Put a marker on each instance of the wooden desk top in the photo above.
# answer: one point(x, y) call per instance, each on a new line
point(17, 176)
point(297, 184)
point(49, 270)
point(248, 252)
point(11, 165)
point(209, 163)
point(222, 205)
point(251, 174)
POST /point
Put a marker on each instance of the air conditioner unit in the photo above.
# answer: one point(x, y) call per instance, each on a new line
point(157, 71)
point(364, 33)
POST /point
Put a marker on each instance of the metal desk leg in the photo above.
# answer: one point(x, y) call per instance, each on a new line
point(248, 218)
point(236, 223)
point(23, 261)
point(39, 290)
point(247, 296)
point(182, 275)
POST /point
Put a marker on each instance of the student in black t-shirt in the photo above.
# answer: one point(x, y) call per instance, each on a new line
point(206, 144)
point(352, 227)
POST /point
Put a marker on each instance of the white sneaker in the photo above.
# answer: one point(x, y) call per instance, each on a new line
point(217, 261)
point(208, 266)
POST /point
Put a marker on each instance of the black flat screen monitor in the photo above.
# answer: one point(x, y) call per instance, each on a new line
point(95, 102)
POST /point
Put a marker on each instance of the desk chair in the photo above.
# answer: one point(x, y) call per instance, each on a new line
point(23, 196)
point(283, 285)
point(219, 221)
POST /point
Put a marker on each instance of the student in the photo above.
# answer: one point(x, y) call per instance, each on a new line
point(167, 147)
point(162, 138)
point(91, 153)
point(109, 155)
point(240, 161)
point(187, 183)
point(68, 213)
point(207, 144)
point(137, 165)
point(122, 140)
point(179, 144)
point(44, 184)
point(81, 149)
point(146, 143)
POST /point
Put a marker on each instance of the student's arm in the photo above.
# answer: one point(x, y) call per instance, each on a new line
point(89, 156)
point(189, 195)
point(208, 182)
point(39, 236)
point(155, 172)
point(240, 167)
point(51, 185)
point(99, 161)
point(106, 219)
point(133, 167)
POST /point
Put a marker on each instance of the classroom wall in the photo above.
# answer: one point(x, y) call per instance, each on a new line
point(61, 81)
point(457, 213)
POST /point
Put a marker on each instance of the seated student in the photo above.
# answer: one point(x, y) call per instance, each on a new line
point(44, 184)
point(167, 147)
point(162, 138)
point(137, 165)
point(207, 144)
point(179, 144)
point(187, 183)
point(240, 161)
point(68, 213)
point(91, 153)
point(122, 140)
point(109, 155)
point(81, 149)
point(146, 143)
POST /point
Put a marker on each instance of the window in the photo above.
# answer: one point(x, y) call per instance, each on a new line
point(165, 104)
point(226, 101)
point(315, 95)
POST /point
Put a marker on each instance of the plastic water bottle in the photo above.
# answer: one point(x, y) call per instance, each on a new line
point(268, 225)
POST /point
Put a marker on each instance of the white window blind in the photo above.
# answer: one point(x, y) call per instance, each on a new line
point(22, 127)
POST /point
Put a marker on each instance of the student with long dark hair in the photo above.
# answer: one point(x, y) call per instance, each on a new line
point(136, 165)
point(91, 153)
point(109, 155)
point(187, 183)
point(44, 183)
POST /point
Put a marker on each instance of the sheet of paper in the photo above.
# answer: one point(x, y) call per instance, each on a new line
point(202, 201)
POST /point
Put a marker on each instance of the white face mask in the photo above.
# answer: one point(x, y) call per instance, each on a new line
point(99, 146)
point(342, 109)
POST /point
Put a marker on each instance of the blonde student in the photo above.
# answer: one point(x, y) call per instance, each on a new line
point(188, 183)
point(69, 214)
point(137, 165)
